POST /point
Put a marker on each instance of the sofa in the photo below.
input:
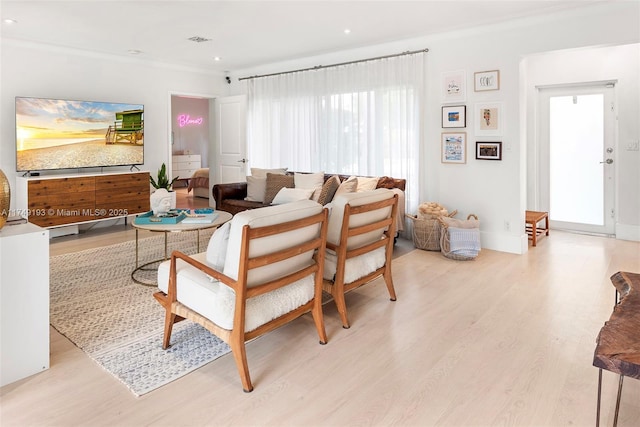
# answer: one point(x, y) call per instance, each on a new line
point(231, 197)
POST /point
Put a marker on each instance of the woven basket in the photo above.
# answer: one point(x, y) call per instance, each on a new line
point(445, 244)
point(427, 232)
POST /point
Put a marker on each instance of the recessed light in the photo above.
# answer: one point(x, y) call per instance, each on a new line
point(216, 58)
point(134, 52)
point(10, 21)
point(347, 31)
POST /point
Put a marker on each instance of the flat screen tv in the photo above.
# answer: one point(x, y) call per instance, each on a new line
point(64, 134)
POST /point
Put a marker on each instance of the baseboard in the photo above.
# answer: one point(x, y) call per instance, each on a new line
point(504, 242)
point(63, 231)
point(628, 232)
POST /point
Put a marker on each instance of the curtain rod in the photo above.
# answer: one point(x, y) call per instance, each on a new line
point(319, 67)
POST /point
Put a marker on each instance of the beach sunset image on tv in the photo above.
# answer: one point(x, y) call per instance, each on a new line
point(63, 134)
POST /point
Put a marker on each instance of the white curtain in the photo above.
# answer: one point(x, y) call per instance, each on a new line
point(357, 119)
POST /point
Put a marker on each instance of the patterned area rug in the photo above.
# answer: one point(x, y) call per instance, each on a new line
point(118, 323)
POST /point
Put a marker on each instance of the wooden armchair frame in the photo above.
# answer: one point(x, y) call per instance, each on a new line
point(337, 288)
point(236, 337)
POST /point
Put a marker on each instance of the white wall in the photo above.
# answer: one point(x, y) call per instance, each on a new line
point(48, 72)
point(495, 191)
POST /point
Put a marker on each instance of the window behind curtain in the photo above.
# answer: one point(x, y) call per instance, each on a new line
point(356, 119)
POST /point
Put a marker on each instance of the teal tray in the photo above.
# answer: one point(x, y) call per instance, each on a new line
point(175, 216)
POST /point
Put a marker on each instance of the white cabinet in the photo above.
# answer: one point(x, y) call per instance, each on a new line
point(24, 301)
point(184, 165)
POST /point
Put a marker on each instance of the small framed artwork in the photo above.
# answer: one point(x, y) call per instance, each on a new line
point(454, 86)
point(454, 116)
point(454, 147)
point(488, 150)
point(486, 80)
point(488, 119)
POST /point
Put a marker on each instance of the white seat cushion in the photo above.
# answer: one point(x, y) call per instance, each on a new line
point(217, 247)
point(357, 199)
point(269, 216)
point(363, 264)
point(354, 268)
point(216, 301)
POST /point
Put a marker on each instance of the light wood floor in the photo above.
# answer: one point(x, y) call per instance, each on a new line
point(503, 340)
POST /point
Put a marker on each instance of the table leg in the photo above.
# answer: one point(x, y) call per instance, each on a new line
point(165, 246)
point(546, 223)
point(136, 248)
point(198, 240)
point(534, 232)
point(599, 394)
point(615, 418)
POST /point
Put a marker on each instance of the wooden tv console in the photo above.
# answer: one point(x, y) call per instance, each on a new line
point(58, 200)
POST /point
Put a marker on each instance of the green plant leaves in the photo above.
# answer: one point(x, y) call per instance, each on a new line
point(163, 179)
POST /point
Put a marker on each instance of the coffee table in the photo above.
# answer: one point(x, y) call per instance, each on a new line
point(173, 228)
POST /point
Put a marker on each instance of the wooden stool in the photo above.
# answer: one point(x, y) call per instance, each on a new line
point(532, 218)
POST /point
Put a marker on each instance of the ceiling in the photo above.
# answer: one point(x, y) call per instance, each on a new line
point(244, 34)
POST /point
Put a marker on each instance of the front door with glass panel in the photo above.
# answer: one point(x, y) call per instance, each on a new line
point(577, 157)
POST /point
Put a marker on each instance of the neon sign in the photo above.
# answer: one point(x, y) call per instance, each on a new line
point(186, 120)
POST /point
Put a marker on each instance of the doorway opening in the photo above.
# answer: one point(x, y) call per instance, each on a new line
point(577, 159)
point(191, 143)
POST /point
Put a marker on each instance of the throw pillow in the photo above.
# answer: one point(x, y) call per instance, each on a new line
point(255, 189)
point(348, 186)
point(366, 183)
point(386, 182)
point(262, 173)
point(328, 190)
point(310, 180)
point(274, 183)
point(217, 248)
point(287, 195)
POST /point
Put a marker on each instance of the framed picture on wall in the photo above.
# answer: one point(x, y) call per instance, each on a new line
point(454, 147)
point(486, 80)
point(454, 116)
point(488, 150)
point(454, 86)
point(488, 118)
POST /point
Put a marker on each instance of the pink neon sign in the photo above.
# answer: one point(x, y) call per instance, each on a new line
point(186, 120)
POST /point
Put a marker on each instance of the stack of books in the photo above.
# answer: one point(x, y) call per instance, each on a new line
point(200, 216)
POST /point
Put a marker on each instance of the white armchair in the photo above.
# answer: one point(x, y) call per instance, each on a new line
point(360, 241)
point(260, 271)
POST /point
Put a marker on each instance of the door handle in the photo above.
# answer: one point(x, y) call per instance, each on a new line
point(242, 161)
point(608, 161)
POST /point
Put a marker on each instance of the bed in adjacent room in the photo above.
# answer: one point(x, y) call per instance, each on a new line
point(199, 183)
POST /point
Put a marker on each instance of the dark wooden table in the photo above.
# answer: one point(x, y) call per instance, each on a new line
point(618, 343)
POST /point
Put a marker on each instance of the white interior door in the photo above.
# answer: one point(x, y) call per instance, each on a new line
point(577, 136)
point(230, 139)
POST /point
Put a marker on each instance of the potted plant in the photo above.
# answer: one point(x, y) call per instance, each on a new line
point(163, 185)
point(163, 179)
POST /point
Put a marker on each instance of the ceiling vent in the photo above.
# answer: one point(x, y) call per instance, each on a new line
point(199, 39)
